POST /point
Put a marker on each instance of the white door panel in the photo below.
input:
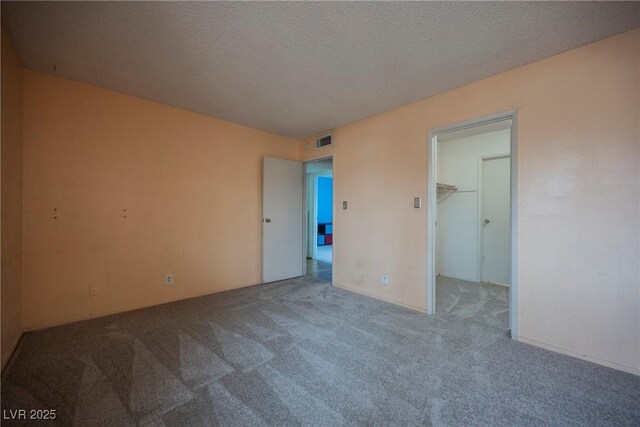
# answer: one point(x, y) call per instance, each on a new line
point(282, 219)
point(495, 220)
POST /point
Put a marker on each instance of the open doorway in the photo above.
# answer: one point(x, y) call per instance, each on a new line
point(319, 219)
point(472, 218)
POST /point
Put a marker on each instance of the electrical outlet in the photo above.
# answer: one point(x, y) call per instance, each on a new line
point(168, 279)
point(93, 290)
point(385, 279)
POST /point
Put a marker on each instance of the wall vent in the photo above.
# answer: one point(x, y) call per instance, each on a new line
point(324, 141)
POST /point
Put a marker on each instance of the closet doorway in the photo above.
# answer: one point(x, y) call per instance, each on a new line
point(472, 219)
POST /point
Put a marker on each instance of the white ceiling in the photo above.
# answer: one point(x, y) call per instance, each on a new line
point(297, 69)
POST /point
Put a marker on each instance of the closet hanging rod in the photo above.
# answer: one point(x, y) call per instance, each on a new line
point(442, 186)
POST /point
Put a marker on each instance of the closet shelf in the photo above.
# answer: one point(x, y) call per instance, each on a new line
point(446, 187)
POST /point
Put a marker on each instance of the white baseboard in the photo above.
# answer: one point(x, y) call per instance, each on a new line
point(133, 307)
point(455, 276)
point(378, 297)
point(576, 354)
point(6, 355)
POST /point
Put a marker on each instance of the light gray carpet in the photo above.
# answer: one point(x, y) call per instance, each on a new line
point(319, 270)
point(301, 352)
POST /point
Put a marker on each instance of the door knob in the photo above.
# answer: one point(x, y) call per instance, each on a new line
point(486, 221)
point(267, 220)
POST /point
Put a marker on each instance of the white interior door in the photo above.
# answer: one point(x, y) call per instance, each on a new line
point(495, 219)
point(282, 221)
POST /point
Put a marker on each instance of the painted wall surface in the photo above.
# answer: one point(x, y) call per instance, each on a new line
point(11, 204)
point(319, 166)
point(119, 191)
point(578, 203)
point(325, 199)
point(457, 212)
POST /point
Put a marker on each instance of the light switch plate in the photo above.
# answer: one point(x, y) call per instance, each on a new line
point(344, 204)
point(417, 202)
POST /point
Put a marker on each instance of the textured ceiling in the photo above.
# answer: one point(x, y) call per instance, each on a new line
point(297, 69)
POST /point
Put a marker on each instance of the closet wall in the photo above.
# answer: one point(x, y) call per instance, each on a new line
point(457, 211)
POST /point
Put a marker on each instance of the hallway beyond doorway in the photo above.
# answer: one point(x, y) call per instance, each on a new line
point(320, 270)
point(319, 218)
point(325, 253)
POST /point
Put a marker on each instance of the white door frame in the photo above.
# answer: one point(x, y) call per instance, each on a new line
point(314, 219)
point(481, 161)
point(314, 216)
point(431, 209)
point(304, 213)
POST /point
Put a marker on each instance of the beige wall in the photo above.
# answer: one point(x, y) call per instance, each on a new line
point(191, 186)
point(11, 198)
point(579, 197)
